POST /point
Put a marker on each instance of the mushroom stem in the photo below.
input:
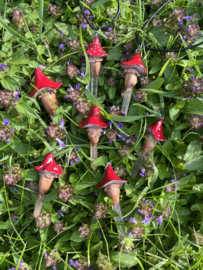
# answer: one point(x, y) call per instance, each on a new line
point(147, 147)
point(95, 66)
point(94, 85)
point(48, 105)
point(130, 82)
point(45, 182)
point(94, 134)
point(113, 193)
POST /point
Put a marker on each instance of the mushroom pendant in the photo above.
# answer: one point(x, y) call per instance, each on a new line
point(48, 170)
point(94, 125)
point(132, 69)
point(48, 88)
point(154, 134)
point(95, 55)
point(112, 184)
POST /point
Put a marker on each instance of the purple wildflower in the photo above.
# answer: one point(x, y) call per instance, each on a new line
point(6, 122)
point(83, 25)
point(61, 32)
point(146, 220)
point(61, 46)
point(120, 125)
point(160, 220)
point(132, 220)
point(143, 170)
point(87, 12)
point(61, 143)
point(62, 123)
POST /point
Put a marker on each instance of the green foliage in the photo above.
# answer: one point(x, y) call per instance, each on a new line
point(47, 35)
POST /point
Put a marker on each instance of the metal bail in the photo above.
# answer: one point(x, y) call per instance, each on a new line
point(138, 49)
point(97, 33)
point(107, 164)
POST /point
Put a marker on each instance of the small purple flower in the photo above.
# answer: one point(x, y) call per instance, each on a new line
point(16, 93)
point(61, 46)
point(187, 18)
point(110, 124)
point(14, 189)
point(172, 181)
point(45, 255)
point(12, 268)
point(67, 63)
point(132, 220)
point(54, 268)
point(71, 163)
point(6, 122)
point(130, 235)
point(62, 123)
point(95, 194)
point(61, 32)
point(146, 220)
point(16, 99)
point(110, 29)
point(83, 64)
point(152, 204)
point(191, 70)
point(143, 170)
point(185, 37)
point(184, 174)
point(114, 39)
point(61, 143)
point(120, 125)
point(67, 96)
point(192, 77)
point(60, 213)
point(8, 140)
point(192, 88)
point(77, 160)
point(200, 34)
point(72, 263)
point(87, 12)
point(110, 142)
point(141, 174)
point(139, 210)
point(106, 33)
point(160, 220)
point(87, 86)
point(83, 25)
point(145, 201)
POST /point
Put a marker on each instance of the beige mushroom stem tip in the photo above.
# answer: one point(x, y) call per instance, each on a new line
point(113, 193)
point(94, 134)
point(45, 182)
point(147, 147)
point(48, 105)
point(130, 81)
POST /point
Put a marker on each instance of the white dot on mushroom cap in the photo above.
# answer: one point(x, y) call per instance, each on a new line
point(158, 135)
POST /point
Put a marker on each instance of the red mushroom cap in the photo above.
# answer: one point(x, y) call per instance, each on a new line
point(110, 177)
point(94, 119)
point(95, 48)
point(135, 62)
point(157, 130)
point(41, 81)
point(49, 165)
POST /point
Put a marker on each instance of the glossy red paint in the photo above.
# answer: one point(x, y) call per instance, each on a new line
point(95, 48)
point(94, 119)
point(41, 81)
point(157, 130)
point(49, 165)
point(110, 177)
point(135, 60)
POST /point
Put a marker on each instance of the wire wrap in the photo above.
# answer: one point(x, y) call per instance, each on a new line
point(97, 27)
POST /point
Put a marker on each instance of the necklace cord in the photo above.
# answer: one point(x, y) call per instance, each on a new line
point(162, 50)
point(97, 27)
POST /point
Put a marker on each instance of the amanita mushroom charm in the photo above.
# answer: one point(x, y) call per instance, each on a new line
point(112, 184)
point(95, 55)
point(94, 125)
point(48, 88)
point(132, 69)
point(154, 134)
point(48, 170)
